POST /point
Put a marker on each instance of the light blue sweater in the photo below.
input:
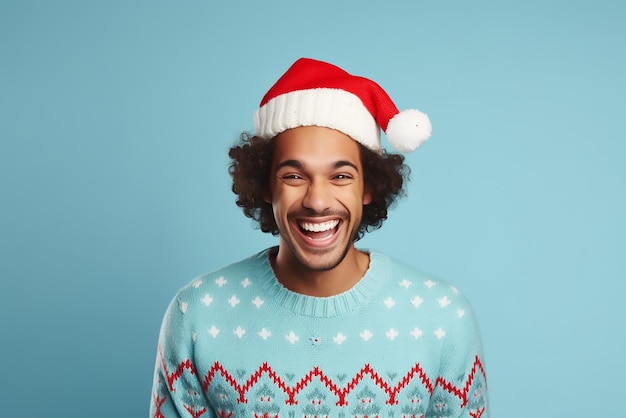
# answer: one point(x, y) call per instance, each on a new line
point(236, 343)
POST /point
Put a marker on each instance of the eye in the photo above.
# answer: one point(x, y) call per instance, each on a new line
point(293, 179)
point(343, 178)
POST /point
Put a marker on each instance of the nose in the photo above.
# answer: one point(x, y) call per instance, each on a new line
point(317, 197)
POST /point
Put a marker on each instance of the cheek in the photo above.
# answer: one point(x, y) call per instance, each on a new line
point(284, 198)
point(360, 196)
point(354, 200)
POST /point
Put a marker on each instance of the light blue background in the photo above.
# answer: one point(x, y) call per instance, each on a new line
point(116, 117)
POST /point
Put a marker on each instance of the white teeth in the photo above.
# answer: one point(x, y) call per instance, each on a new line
point(319, 227)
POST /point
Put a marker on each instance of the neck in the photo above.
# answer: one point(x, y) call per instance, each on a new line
point(297, 277)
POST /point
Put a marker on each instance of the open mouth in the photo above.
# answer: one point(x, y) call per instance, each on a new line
point(318, 231)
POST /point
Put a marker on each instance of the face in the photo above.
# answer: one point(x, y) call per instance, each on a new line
point(317, 195)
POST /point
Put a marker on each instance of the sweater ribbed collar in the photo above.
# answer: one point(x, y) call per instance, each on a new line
point(359, 295)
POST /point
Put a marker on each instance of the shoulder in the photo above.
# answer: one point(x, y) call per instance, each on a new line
point(224, 281)
point(397, 269)
point(422, 287)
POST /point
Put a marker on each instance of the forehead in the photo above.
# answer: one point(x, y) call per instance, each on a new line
point(314, 145)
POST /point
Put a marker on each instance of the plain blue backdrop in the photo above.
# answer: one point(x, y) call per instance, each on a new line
point(115, 121)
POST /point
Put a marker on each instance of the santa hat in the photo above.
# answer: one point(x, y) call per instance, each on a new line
point(316, 93)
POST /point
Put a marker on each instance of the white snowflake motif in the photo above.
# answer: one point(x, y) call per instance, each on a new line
point(405, 283)
point(207, 299)
point(339, 338)
point(429, 283)
point(416, 333)
point(439, 333)
point(366, 335)
point(460, 313)
point(264, 333)
point(233, 301)
point(389, 302)
point(239, 332)
point(221, 281)
point(213, 331)
point(443, 301)
point(391, 334)
point(454, 290)
point(183, 307)
point(246, 282)
point(292, 337)
point(258, 302)
point(196, 284)
point(417, 301)
point(194, 336)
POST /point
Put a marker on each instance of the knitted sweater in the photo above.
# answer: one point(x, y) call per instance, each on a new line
point(236, 343)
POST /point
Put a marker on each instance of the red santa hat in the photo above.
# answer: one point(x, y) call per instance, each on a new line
point(316, 93)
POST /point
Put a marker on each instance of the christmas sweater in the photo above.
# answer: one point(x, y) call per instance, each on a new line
point(236, 343)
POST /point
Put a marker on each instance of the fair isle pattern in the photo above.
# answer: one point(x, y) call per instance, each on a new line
point(340, 393)
point(400, 343)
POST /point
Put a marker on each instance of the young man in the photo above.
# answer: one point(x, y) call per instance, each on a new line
point(316, 327)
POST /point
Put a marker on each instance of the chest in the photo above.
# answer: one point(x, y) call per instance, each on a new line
point(353, 366)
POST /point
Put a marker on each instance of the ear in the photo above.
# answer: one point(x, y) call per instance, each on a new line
point(367, 196)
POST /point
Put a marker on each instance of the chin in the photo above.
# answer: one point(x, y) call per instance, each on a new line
point(322, 264)
point(321, 260)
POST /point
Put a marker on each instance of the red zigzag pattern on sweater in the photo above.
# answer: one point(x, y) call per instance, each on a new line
point(341, 393)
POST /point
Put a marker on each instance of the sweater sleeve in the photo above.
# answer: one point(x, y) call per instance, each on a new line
point(461, 387)
point(177, 389)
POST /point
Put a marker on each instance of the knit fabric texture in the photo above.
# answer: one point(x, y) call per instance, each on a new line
point(236, 343)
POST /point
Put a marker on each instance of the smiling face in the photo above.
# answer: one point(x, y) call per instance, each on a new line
point(317, 195)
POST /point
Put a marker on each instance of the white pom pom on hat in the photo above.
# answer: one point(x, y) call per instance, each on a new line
point(316, 93)
point(407, 130)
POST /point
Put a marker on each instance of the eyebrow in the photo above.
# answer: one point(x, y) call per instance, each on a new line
point(298, 164)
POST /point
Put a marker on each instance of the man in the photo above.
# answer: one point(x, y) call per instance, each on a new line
point(316, 327)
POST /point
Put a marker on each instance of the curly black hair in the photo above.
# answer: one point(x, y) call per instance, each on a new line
point(384, 176)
